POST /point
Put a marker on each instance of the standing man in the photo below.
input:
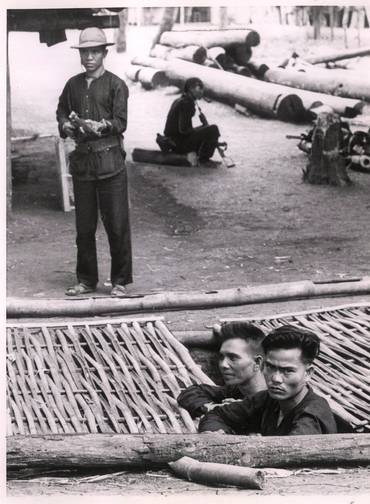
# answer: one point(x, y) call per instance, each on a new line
point(179, 134)
point(240, 362)
point(92, 110)
point(288, 406)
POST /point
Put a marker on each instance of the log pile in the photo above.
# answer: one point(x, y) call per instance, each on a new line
point(224, 60)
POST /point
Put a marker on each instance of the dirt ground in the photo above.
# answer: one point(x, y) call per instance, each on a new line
point(192, 228)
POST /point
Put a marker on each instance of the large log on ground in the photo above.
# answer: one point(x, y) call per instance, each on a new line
point(151, 78)
point(210, 38)
point(132, 72)
point(194, 53)
point(157, 450)
point(30, 307)
point(346, 84)
point(346, 107)
point(158, 157)
point(350, 53)
point(270, 100)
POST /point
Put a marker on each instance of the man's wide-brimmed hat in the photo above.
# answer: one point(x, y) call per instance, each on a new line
point(92, 37)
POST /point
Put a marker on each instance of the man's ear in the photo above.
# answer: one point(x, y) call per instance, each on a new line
point(258, 362)
point(309, 371)
point(105, 52)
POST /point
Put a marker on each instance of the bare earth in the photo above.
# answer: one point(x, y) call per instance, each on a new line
point(192, 229)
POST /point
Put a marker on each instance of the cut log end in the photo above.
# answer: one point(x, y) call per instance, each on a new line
point(253, 38)
point(290, 108)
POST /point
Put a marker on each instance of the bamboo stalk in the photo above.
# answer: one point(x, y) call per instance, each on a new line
point(29, 307)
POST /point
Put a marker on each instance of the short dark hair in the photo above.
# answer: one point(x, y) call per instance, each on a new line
point(242, 330)
point(191, 83)
point(289, 336)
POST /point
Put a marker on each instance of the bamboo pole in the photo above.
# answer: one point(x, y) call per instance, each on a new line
point(156, 450)
point(350, 53)
point(29, 307)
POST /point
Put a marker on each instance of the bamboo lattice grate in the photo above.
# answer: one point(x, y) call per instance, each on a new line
point(342, 370)
point(120, 377)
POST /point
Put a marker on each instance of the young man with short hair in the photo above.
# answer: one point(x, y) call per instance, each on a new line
point(288, 406)
point(240, 361)
point(179, 129)
point(99, 100)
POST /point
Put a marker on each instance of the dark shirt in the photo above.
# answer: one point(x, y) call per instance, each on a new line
point(105, 98)
point(179, 118)
point(260, 414)
point(195, 397)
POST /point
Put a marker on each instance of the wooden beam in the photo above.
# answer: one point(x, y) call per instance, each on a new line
point(9, 184)
point(30, 307)
point(210, 38)
point(157, 450)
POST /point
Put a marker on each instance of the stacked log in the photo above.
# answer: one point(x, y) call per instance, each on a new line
point(211, 38)
point(269, 100)
point(149, 78)
point(195, 53)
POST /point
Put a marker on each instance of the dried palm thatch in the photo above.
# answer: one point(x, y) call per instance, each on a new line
point(342, 370)
point(104, 376)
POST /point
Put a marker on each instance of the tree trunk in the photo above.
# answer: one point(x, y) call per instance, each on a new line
point(9, 185)
point(30, 307)
point(326, 165)
point(265, 99)
point(157, 450)
point(210, 38)
point(223, 18)
point(121, 31)
point(346, 84)
point(168, 20)
point(192, 53)
point(316, 20)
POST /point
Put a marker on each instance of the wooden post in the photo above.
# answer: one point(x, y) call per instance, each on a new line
point(65, 178)
point(157, 450)
point(167, 23)
point(223, 19)
point(121, 31)
point(326, 165)
point(9, 185)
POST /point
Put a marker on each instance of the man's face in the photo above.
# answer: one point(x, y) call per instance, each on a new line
point(92, 58)
point(285, 373)
point(236, 362)
point(197, 91)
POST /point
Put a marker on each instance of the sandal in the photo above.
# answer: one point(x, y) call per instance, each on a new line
point(79, 289)
point(118, 291)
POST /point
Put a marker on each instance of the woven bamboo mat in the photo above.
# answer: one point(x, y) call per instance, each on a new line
point(342, 370)
point(97, 377)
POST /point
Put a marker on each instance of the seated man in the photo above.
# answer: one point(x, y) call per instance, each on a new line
point(179, 134)
point(288, 406)
point(240, 360)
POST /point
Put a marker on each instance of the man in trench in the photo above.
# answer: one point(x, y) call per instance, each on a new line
point(288, 406)
point(240, 362)
point(92, 110)
point(199, 142)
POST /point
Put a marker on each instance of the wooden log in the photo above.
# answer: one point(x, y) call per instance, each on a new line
point(257, 67)
point(157, 450)
point(197, 54)
point(270, 100)
point(159, 157)
point(337, 56)
point(346, 107)
point(210, 38)
point(346, 84)
point(132, 72)
point(30, 307)
point(151, 78)
point(166, 24)
point(213, 474)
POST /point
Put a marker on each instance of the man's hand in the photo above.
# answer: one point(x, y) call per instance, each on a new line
point(69, 129)
point(103, 126)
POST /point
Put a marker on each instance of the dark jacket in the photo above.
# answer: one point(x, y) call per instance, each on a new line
point(195, 397)
point(179, 118)
point(105, 98)
point(260, 414)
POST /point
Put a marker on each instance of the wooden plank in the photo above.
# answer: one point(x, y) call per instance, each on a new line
point(65, 178)
point(156, 450)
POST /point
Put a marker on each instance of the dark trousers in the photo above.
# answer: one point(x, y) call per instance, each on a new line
point(202, 140)
point(110, 196)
